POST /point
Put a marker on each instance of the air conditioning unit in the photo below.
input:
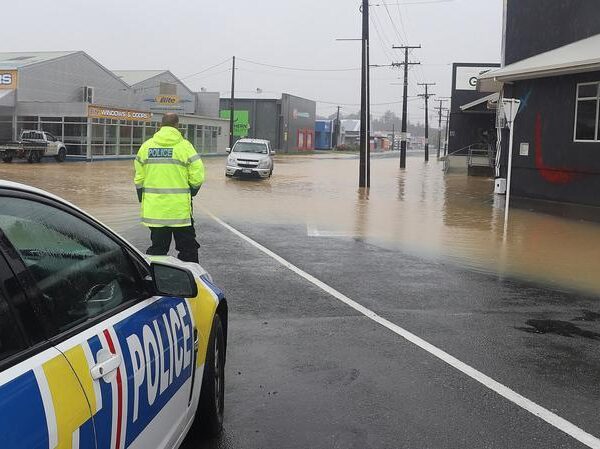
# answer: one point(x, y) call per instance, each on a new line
point(88, 94)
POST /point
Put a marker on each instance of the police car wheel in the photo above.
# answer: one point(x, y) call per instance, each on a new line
point(209, 417)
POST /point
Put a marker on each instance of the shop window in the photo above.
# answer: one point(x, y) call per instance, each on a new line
point(138, 137)
point(75, 135)
point(587, 117)
point(5, 128)
point(191, 133)
point(125, 133)
point(55, 128)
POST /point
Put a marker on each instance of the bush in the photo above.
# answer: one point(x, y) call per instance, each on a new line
point(346, 147)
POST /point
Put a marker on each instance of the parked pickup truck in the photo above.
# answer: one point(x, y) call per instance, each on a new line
point(33, 146)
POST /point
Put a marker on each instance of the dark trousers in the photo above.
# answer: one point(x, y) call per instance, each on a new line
point(185, 242)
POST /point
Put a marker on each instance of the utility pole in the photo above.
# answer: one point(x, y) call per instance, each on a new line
point(393, 135)
point(440, 109)
point(447, 131)
point(406, 64)
point(364, 176)
point(336, 129)
point(426, 95)
point(232, 106)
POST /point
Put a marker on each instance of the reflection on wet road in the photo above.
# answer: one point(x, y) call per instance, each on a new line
point(452, 217)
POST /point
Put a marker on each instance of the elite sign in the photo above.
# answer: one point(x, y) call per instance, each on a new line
point(8, 79)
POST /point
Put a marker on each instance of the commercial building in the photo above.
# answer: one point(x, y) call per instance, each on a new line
point(98, 113)
point(287, 122)
point(552, 64)
point(324, 134)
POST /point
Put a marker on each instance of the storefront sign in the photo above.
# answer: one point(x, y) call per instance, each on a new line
point(167, 100)
point(241, 122)
point(466, 77)
point(296, 114)
point(8, 79)
point(118, 114)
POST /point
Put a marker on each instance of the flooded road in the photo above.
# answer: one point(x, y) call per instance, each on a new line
point(420, 210)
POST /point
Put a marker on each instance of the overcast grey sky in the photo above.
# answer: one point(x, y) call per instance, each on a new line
point(187, 36)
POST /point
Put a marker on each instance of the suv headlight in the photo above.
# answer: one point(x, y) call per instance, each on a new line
point(231, 160)
point(264, 163)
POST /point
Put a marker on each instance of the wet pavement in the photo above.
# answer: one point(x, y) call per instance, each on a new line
point(423, 250)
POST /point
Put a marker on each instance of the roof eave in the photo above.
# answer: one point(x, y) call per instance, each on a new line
point(544, 72)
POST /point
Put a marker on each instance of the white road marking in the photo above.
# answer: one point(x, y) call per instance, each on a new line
point(551, 418)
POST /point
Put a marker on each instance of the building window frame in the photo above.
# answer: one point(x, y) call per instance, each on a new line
point(578, 100)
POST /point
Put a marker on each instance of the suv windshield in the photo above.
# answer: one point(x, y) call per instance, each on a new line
point(250, 147)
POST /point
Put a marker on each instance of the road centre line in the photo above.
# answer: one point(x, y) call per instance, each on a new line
point(551, 418)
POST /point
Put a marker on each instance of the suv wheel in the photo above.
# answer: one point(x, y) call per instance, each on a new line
point(62, 155)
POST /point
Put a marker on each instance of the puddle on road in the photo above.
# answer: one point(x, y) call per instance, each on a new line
point(420, 210)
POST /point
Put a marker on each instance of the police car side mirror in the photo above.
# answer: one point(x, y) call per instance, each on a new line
point(171, 280)
point(228, 150)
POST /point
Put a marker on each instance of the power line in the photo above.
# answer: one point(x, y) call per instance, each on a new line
point(299, 69)
point(424, 2)
point(206, 69)
point(382, 41)
point(387, 10)
point(335, 103)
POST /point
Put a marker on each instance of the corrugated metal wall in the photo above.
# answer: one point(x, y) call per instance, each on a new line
point(58, 86)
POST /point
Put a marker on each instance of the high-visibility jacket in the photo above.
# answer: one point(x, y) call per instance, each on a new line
point(167, 170)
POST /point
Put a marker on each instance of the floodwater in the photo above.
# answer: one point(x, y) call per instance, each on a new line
point(453, 218)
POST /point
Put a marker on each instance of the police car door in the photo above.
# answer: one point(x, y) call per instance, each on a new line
point(131, 352)
point(42, 403)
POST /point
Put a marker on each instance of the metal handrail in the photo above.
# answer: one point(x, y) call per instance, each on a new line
point(447, 157)
point(475, 149)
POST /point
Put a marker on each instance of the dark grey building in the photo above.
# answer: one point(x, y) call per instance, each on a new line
point(471, 121)
point(288, 122)
point(552, 56)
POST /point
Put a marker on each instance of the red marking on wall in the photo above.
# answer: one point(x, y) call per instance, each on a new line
point(552, 175)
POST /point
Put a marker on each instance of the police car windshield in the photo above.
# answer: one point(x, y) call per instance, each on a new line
point(250, 147)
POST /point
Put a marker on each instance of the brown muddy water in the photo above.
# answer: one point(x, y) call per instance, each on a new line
point(420, 210)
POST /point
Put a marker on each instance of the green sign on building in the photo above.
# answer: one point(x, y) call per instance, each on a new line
point(241, 122)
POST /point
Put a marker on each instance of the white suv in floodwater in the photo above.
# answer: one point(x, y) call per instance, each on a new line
point(250, 157)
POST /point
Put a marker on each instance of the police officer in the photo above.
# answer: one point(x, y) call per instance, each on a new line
point(168, 173)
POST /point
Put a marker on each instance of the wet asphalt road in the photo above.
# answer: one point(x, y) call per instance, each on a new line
point(306, 371)
point(424, 252)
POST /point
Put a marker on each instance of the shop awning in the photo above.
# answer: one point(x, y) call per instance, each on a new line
point(480, 105)
point(577, 57)
point(7, 98)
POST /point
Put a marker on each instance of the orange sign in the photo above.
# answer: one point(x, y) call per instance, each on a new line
point(118, 114)
point(8, 79)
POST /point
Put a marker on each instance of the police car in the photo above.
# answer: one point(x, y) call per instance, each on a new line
point(99, 346)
